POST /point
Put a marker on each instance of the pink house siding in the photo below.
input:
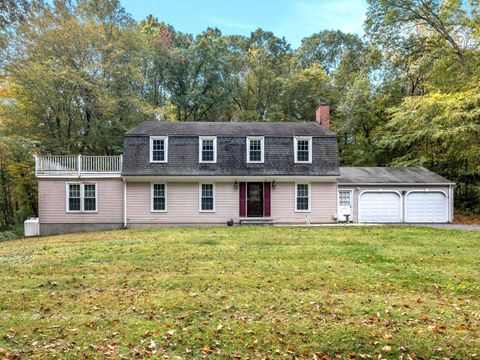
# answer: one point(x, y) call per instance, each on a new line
point(183, 204)
point(52, 202)
point(323, 203)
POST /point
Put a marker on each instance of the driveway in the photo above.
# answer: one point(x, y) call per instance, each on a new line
point(450, 226)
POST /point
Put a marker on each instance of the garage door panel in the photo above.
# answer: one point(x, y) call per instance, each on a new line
point(382, 207)
point(426, 207)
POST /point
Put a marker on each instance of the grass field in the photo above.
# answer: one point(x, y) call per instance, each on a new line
point(243, 292)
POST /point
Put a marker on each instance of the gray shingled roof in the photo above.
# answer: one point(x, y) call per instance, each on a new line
point(231, 150)
point(230, 129)
point(389, 175)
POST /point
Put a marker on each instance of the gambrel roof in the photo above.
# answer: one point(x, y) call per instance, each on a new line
point(183, 147)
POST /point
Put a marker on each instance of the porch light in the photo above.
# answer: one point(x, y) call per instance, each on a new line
point(274, 184)
point(235, 185)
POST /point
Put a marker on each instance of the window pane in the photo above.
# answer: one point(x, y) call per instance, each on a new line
point(303, 150)
point(344, 198)
point(207, 150)
point(302, 197)
point(207, 144)
point(207, 197)
point(207, 203)
point(158, 190)
point(74, 190)
point(159, 203)
point(74, 197)
point(255, 150)
point(302, 203)
point(158, 150)
point(89, 190)
point(74, 204)
point(159, 197)
point(89, 204)
point(302, 190)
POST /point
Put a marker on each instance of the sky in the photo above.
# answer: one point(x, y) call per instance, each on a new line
point(292, 19)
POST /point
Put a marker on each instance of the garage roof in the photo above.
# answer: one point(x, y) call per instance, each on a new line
point(390, 175)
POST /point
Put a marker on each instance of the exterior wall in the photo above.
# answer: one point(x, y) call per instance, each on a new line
point(183, 204)
point(357, 190)
point(52, 203)
point(323, 203)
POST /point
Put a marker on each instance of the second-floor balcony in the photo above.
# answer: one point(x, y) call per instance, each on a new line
point(77, 166)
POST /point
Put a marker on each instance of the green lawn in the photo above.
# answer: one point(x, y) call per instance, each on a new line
point(249, 292)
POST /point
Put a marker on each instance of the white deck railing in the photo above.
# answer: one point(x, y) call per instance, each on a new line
point(77, 165)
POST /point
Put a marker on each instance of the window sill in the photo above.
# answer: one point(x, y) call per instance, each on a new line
point(158, 162)
point(206, 211)
point(303, 211)
point(158, 211)
point(81, 212)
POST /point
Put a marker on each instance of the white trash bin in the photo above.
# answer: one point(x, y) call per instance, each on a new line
point(31, 227)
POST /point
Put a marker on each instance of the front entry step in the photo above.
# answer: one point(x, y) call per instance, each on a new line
point(254, 221)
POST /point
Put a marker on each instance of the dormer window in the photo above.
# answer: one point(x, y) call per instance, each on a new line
point(255, 149)
point(303, 149)
point(207, 149)
point(158, 149)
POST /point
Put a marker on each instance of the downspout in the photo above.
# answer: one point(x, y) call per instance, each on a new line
point(450, 204)
point(124, 203)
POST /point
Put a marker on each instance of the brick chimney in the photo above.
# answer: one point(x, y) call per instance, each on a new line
point(323, 114)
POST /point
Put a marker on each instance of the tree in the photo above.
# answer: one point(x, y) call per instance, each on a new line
point(75, 73)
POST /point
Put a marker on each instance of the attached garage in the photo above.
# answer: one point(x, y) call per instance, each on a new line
point(396, 195)
point(426, 207)
point(376, 206)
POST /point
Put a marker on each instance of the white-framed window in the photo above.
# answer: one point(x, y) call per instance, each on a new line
point(207, 198)
point(302, 148)
point(345, 198)
point(158, 149)
point(302, 197)
point(89, 197)
point(159, 197)
point(207, 149)
point(255, 149)
point(81, 197)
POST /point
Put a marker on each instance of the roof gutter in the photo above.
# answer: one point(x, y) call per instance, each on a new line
point(395, 184)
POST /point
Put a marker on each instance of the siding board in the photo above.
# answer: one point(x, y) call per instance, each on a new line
point(52, 202)
point(183, 204)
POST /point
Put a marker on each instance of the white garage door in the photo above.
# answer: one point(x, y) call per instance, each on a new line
point(426, 207)
point(381, 207)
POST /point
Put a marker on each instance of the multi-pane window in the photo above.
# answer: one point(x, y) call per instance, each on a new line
point(158, 149)
point(208, 149)
point(81, 197)
point(255, 149)
point(303, 150)
point(344, 198)
point(89, 197)
point(207, 197)
point(302, 201)
point(74, 197)
point(159, 197)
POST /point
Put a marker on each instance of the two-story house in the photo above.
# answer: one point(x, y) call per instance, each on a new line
point(184, 173)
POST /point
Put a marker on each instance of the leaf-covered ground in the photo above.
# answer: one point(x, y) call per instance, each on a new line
point(243, 292)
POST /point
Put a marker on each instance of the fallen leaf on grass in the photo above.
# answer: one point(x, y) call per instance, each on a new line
point(206, 348)
point(387, 348)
